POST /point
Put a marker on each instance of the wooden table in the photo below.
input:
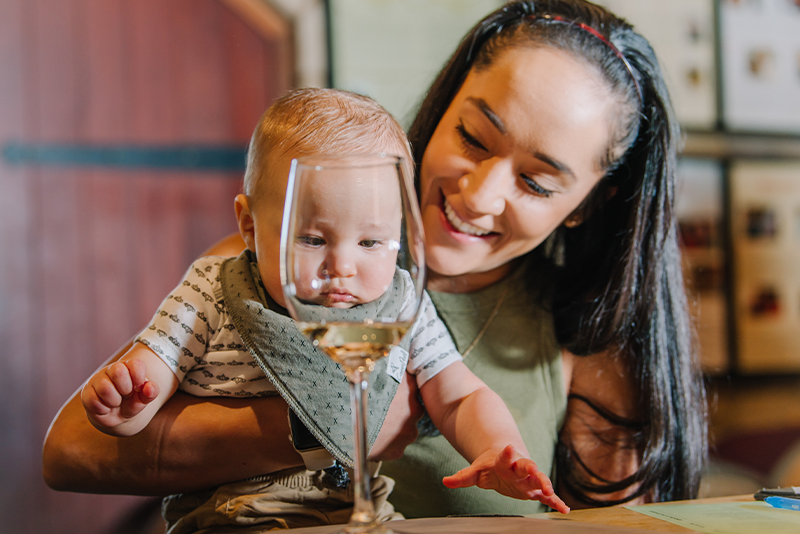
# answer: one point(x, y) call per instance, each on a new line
point(622, 517)
point(592, 521)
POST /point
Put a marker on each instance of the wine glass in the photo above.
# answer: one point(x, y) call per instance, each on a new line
point(352, 269)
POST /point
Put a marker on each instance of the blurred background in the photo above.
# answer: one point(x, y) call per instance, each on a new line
point(123, 130)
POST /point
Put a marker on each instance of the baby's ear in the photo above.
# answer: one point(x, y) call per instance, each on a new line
point(244, 217)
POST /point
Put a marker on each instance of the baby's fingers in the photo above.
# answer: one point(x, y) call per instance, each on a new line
point(527, 469)
point(112, 385)
point(120, 376)
point(465, 478)
point(554, 502)
point(93, 402)
point(138, 373)
point(148, 393)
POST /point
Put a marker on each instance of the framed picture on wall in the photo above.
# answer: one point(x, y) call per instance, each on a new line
point(760, 47)
point(682, 33)
point(765, 218)
point(699, 209)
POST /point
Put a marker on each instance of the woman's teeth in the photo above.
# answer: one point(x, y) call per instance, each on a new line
point(460, 225)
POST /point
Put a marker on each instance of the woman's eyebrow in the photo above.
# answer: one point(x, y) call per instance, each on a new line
point(484, 108)
point(560, 167)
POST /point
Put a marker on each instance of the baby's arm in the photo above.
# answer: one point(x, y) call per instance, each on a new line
point(121, 399)
point(476, 421)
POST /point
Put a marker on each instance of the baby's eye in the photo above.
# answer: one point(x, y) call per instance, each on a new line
point(534, 186)
point(369, 243)
point(310, 240)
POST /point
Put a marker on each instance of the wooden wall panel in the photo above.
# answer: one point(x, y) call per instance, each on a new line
point(16, 335)
point(108, 118)
point(87, 253)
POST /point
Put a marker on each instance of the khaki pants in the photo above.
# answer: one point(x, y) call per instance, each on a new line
point(292, 498)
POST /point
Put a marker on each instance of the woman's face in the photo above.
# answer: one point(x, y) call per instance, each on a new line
point(517, 151)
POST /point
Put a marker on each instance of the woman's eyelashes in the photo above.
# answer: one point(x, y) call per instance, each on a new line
point(471, 144)
point(468, 140)
point(535, 187)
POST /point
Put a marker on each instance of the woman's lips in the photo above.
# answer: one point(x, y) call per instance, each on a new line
point(456, 225)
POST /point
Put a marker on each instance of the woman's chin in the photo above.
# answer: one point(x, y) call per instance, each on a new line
point(445, 263)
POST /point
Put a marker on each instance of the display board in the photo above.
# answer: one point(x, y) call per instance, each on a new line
point(765, 214)
point(699, 208)
point(682, 33)
point(760, 47)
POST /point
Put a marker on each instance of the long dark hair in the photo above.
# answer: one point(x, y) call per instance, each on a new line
point(619, 287)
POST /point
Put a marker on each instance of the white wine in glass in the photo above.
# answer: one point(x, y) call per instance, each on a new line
point(352, 268)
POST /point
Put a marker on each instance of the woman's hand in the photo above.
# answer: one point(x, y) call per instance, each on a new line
point(400, 426)
point(508, 473)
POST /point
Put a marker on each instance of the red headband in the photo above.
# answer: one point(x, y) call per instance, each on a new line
point(586, 27)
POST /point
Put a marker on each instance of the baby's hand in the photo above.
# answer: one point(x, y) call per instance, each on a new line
point(510, 474)
point(116, 394)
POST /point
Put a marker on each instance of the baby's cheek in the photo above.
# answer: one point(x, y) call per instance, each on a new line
point(307, 283)
point(306, 288)
point(384, 275)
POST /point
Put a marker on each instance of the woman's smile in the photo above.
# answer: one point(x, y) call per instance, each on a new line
point(460, 225)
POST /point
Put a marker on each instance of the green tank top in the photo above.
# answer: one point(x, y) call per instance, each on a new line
point(518, 358)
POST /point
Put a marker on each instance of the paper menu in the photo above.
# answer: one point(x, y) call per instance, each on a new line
point(725, 518)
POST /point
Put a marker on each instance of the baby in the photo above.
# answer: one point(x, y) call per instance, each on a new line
point(192, 343)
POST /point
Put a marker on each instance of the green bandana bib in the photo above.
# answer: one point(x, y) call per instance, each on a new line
point(314, 386)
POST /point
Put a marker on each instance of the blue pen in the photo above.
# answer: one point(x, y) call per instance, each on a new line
point(783, 503)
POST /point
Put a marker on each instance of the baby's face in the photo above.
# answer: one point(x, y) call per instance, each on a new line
point(347, 239)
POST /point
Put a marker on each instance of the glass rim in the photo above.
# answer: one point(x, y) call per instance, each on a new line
point(340, 160)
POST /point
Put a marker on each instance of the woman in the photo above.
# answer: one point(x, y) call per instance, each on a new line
point(545, 152)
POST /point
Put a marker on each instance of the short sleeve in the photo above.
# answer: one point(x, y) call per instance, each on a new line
point(187, 319)
point(431, 349)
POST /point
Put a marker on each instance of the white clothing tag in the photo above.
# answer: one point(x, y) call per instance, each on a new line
point(397, 362)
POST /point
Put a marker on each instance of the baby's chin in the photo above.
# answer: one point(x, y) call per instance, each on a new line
point(339, 305)
point(322, 300)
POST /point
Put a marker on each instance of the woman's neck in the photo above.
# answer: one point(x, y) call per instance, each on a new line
point(468, 282)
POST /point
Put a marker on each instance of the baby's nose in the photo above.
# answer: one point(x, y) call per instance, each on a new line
point(339, 265)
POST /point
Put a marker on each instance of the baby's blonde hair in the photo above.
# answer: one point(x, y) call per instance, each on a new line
point(320, 121)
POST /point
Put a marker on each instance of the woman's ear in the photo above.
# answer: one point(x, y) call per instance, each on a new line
point(573, 220)
point(580, 214)
point(247, 224)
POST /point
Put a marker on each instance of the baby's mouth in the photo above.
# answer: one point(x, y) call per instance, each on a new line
point(335, 295)
point(462, 226)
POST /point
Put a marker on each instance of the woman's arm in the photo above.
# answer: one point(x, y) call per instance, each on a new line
point(192, 443)
point(608, 451)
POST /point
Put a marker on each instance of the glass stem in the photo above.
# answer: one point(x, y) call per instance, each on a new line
point(363, 509)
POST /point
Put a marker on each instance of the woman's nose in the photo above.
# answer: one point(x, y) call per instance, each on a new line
point(339, 264)
point(484, 189)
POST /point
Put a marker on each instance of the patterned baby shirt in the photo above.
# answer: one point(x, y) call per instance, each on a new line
point(193, 333)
